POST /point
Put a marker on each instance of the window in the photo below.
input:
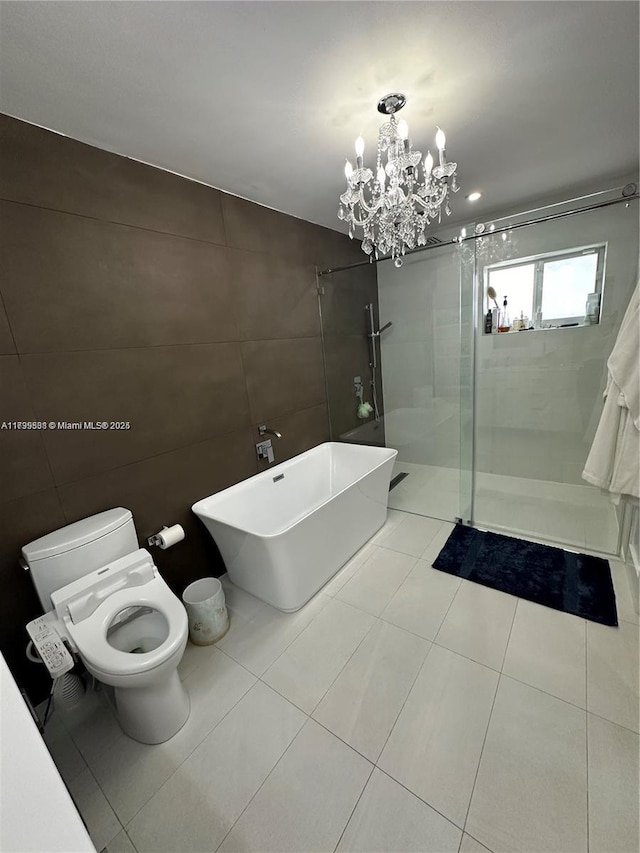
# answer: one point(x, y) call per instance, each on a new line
point(551, 290)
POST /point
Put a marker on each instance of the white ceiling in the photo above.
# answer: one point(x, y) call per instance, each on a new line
point(264, 99)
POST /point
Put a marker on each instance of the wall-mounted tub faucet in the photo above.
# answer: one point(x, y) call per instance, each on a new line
point(263, 429)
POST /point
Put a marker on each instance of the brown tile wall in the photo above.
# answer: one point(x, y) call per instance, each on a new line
point(130, 294)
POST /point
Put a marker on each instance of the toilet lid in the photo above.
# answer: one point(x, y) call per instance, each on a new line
point(90, 635)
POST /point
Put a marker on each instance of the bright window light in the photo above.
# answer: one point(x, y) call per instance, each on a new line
point(554, 289)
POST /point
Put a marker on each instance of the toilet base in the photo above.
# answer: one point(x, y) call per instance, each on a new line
point(154, 713)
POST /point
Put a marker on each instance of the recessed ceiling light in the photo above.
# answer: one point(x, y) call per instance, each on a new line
point(473, 196)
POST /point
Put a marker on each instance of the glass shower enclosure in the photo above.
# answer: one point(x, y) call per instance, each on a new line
point(491, 428)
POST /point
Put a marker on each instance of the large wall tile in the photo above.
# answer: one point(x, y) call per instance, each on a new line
point(74, 283)
point(300, 431)
point(7, 345)
point(23, 520)
point(48, 170)
point(161, 491)
point(172, 396)
point(274, 299)
point(334, 249)
point(261, 229)
point(23, 462)
point(283, 376)
point(345, 296)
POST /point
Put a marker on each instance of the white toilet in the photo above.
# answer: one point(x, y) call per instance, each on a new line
point(115, 611)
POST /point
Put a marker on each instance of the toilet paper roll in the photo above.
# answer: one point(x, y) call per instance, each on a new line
point(169, 536)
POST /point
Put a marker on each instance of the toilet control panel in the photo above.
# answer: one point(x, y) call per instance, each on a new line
point(48, 643)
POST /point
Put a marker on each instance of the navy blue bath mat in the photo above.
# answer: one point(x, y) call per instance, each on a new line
point(575, 583)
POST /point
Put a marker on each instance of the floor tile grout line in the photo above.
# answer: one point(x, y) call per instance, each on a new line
point(513, 622)
point(355, 806)
point(200, 742)
point(418, 797)
point(586, 747)
point(115, 814)
point(294, 638)
point(455, 595)
point(406, 699)
point(484, 741)
point(299, 635)
point(453, 598)
point(264, 781)
point(377, 615)
point(476, 840)
point(309, 713)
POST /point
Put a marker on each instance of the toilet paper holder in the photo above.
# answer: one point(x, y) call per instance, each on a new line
point(166, 537)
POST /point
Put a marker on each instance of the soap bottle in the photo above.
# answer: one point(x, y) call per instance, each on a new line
point(488, 322)
point(504, 323)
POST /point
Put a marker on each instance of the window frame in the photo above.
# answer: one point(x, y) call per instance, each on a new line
point(538, 261)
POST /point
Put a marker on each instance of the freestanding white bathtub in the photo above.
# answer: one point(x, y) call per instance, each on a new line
point(286, 531)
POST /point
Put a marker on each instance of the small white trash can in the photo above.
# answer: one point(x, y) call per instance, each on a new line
point(208, 617)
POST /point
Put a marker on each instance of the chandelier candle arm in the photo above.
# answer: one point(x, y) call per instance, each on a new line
point(395, 204)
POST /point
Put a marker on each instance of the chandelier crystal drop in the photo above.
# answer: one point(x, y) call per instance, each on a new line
point(395, 205)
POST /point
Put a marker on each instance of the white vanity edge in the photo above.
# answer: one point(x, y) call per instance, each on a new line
point(36, 811)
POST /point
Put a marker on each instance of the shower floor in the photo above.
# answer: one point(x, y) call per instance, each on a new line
point(553, 512)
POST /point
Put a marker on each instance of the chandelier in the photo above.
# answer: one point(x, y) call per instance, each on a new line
point(395, 206)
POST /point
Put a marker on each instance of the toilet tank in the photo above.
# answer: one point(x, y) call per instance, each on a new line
point(67, 554)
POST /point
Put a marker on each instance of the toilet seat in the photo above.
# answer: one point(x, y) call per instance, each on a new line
point(86, 609)
point(90, 635)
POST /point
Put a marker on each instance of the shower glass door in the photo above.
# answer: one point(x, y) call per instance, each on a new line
point(490, 428)
point(423, 371)
point(538, 392)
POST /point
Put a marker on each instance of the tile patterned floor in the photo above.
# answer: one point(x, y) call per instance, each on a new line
point(401, 710)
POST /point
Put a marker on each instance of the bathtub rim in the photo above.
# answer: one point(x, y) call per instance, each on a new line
point(269, 471)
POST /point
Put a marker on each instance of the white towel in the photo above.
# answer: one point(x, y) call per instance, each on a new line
point(614, 460)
